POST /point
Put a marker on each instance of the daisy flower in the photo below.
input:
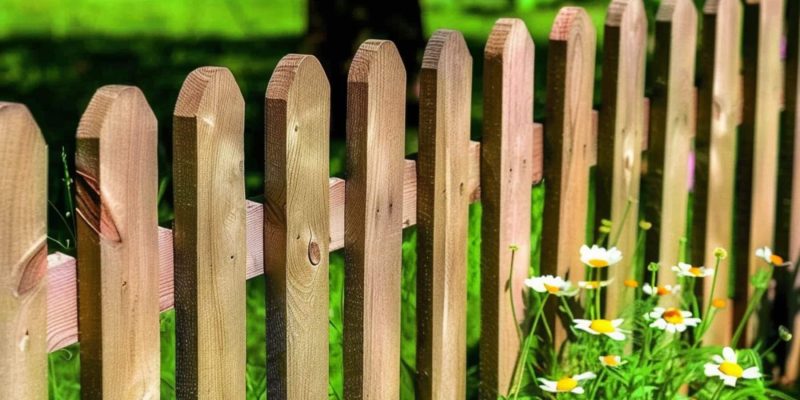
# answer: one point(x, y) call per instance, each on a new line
point(606, 327)
point(661, 290)
point(589, 285)
point(672, 319)
point(599, 257)
point(551, 284)
point(688, 270)
point(611, 361)
point(772, 259)
point(567, 384)
point(728, 369)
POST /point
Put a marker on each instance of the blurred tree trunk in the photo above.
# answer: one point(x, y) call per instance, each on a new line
point(337, 27)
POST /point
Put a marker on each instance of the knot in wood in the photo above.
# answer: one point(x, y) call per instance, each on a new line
point(313, 252)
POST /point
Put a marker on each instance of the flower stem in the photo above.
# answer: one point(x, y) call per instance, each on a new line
point(751, 306)
point(706, 321)
point(524, 350)
point(511, 293)
point(717, 392)
point(618, 233)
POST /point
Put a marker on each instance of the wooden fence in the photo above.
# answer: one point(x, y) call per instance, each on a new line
point(746, 194)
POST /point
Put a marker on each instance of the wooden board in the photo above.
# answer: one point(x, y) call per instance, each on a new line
point(376, 89)
point(666, 184)
point(757, 157)
point(23, 255)
point(620, 136)
point(116, 182)
point(296, 222)
point(570, 144)
point(209, 236)
point(506, 166)
point(443, 213)
point(715, 151)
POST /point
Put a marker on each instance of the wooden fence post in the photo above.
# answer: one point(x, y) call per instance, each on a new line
point(719, 99)
point(569, 145)
point(209, 236)
point(756, 168)
point(442, 216)
point(116, 182)
point(23, 255)
point(620, 135)
point(506, 171)
point(376, 89)
point(666, 184)
point(297, 229)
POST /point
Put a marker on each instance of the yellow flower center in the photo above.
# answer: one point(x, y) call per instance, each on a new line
point(631, 283)
point(673, 316)
point(552, 289)
point(566, 384)
point(602, 326)
point(718, 303)
point(695, 271)
point(598, 263)
point(731, 369)
point(611, 361)
point(661, 291)
point(776, 259)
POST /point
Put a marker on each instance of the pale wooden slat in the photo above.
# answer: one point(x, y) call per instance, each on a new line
point(23, 252)
point(116, 185)
point(570, 144)
point(443, 212)
point(666, 184)
point(756, 170)
point(373, 238)
point(506, 171)
point(297, 114)
point(715, 149)
point(209, 236)
point(620, 136)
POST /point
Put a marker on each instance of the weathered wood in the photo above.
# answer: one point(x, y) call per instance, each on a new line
point(373, 221)
point(209, 236)
point(787, 240)
point(116, 184)
point(570, 143)
point(296, 222)
point(506, 197)
point(443, 213)
point(620, 136)
point(757, 148)
point(666, 184)
point(715, 151)
point(23, 255)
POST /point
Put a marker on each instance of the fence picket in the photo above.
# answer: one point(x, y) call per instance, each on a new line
point(376, 88)
point(719, 99)
point(620, 137)
point(756, 168)
point(297, 231)
point(23, 255)
point(116, 183)
point(505, 175)
point(666, 184)
point(569, 143)
point(209, 236)
point(442, 217)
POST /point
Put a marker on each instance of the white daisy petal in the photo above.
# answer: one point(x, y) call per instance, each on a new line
point(577, 390)
point(711, 370)
point(584, 376)
point(619, 336)
point(729, 380)
point(717, 359)
point(729, 354)
point(751, 373)
point(617, 322)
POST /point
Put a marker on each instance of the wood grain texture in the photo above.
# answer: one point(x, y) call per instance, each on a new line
point(116, 183)
point(443, 212)
point(506, 170)
point(757, 157)
point(23, 255)
point(373, 238)
point(666, 184)
point(715, 151)
point(209, 236)
point(570, 143)
point(620, 136)
point(297, 230)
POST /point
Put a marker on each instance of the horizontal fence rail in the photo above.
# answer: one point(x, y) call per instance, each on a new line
point(727, 143)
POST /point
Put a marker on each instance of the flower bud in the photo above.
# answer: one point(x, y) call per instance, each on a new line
point(645, 225)
point(720, 253)
point(653, 267)
point(719, 303)
point(784, 334)
point(631, 283)
point(604, 229)
point(513, 247)
point(605, 222)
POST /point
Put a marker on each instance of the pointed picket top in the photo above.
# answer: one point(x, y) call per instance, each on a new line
point(23, 255)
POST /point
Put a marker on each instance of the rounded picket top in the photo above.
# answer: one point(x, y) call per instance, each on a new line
point(205, 90)
point(573, 24)
point(623, 13)
point(509, 37)
point(377, 57)
point(445, 45)
point(18, 120)
point(111, 106)
point(296, 72)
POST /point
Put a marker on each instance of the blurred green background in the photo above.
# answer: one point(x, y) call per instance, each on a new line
point(55, 54)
